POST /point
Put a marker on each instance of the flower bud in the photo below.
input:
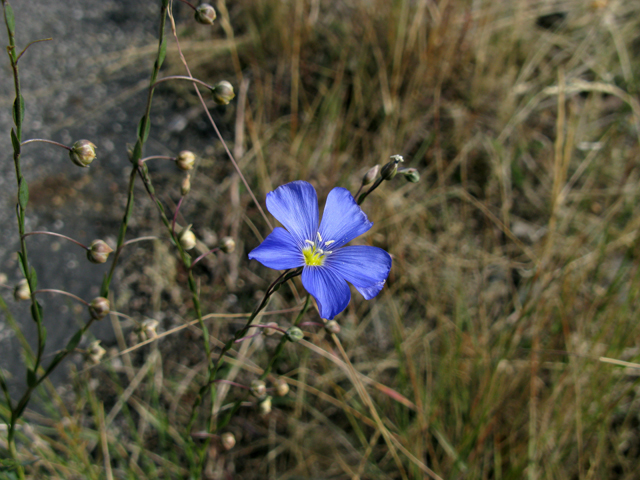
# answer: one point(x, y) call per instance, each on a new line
point(282, 387)
point(227, 245)
point(147, 329)
point(265, 406)
point(94, 353)
point(270, 331)
point(294, 334)
point(205, 14)
point(332, 327)
point(185, 160)
point(82, 153)
point(223, 92)
point(99, 308)
point(98, 251)
point(186, 238)
point(390, 169)
point(258, 388)
point(228, 440)
point(186, 185)
point(370, 175)
point(410, 174)
point(22, 291)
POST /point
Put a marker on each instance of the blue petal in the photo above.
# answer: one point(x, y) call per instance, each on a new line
point(278, 251)
point(330, 291)
point(342, 220)
point(366, 268)
point(295, 205)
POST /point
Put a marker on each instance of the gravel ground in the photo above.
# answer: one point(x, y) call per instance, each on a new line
point(88, 82)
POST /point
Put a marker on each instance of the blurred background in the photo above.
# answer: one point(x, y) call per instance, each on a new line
point(503, 346)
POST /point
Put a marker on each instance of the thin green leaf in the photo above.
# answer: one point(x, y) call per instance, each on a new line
point(34, 278)
point(146, 124)
point(162, 53)
point(43, 337)
point(9, 18)
point(37, 311)
point(75, 340)
point(31, 377)
point(104, 289)
point(22, 264)
point(15, 142)
point(18, 111)
point(137, 152)
point(23, 194)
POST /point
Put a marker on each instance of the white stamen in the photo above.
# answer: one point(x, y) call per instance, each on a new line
point(309, 242)
point(329, 242)
point(319, 237)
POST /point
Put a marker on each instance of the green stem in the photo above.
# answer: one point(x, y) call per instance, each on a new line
point(183, 77)
point(272, 362)
point(283, 341)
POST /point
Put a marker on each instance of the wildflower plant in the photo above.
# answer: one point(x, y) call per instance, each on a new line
point(314, 249)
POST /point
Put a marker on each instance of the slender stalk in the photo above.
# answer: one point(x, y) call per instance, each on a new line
point(104, 291)
point(16, 137)
point(42, 140)
point(267, 371)
point(156, 157)
point(62, 292)
point(53, 234)
point(182, 77)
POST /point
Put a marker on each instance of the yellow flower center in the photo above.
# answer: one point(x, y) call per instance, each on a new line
point(313, 254)
point(313, 257)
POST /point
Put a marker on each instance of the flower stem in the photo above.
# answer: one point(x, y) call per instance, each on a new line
point(187, 3)
point(61, 292)
point(215, 249)
point(183, 77)
point(157, 157)
point(42, 140)
point(267, 371)
point(53, 234)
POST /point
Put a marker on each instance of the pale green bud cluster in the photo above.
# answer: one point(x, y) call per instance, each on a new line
point(82, 153)
point(223, 92)
point(205, 14)
point(98, 251)
point(99, 308)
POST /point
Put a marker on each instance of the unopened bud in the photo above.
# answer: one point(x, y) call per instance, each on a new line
point(98, 251)
point(223, 92)
point(390, 169)
point(147, 329)
point(205, 14)
point(227, 245)
point(294, 334)
point(185, 160)
point(228, 440)
point(186, 238)
point(21, 291)
point(332, 327)
point(258, 388)
point(270, 329)
point(99, 308)
point(94, 353)
point(282, 387)
point(265, 406)
point(82, 153)
point(186, 185)
point(371, 175)
point(410, 174)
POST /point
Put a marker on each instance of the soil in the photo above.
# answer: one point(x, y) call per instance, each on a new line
point(89, 82)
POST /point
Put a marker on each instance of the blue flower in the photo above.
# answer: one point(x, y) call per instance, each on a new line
point(328, 264)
